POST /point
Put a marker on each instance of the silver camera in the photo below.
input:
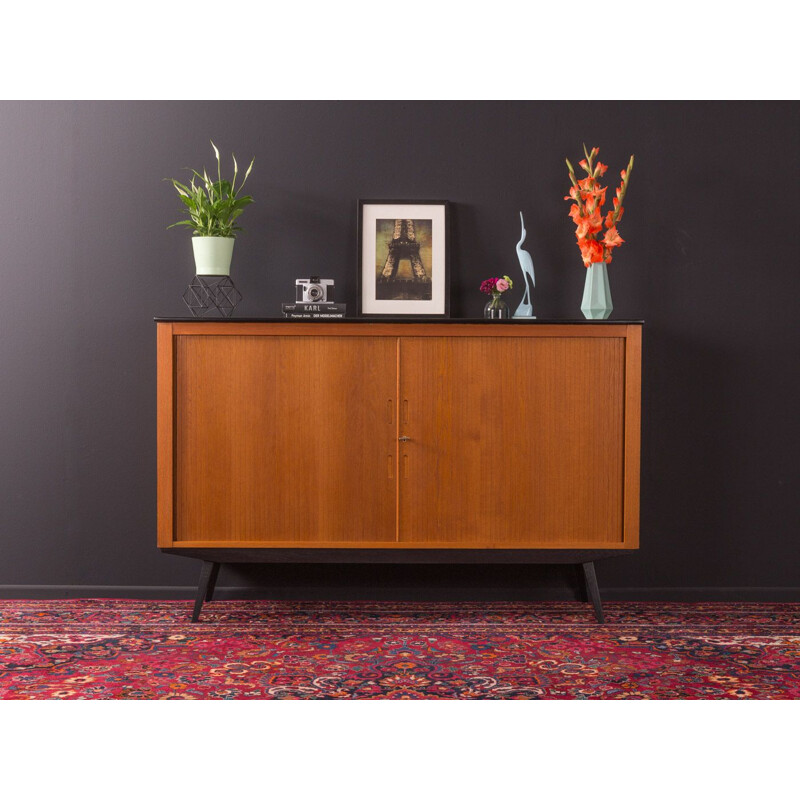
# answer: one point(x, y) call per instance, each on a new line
point(313, 290)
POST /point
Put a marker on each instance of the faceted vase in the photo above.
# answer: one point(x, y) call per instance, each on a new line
point(596, 303)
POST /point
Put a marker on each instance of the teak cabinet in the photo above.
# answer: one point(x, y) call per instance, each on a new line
point(355, 440)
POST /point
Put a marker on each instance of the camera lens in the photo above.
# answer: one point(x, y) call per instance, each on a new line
point(314, 292)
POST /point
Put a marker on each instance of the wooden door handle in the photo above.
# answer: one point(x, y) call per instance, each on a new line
point(404, 439)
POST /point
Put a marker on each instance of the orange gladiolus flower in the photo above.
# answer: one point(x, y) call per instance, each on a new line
point(589, 197)
point(590, 224)
point(610, 222)
point(601, 196)
point(612, 238)
point(591, 251)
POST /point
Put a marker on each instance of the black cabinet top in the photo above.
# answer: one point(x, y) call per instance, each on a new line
point(411, 320)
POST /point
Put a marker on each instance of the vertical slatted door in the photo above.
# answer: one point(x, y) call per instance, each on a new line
point(514, 441)
point(285, 440)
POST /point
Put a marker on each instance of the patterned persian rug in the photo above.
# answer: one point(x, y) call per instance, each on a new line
point(131, 649)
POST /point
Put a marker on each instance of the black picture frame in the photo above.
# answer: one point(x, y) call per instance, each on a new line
point(440, 292)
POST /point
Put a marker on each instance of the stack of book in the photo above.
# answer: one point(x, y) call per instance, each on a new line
point(314, 310)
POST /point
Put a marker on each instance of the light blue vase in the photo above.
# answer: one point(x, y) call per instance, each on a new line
point(596, 303)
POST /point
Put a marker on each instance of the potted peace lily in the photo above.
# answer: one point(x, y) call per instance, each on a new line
point(213, 207)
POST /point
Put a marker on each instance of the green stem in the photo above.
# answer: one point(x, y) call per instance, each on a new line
point(622, 193)
point(577, 188)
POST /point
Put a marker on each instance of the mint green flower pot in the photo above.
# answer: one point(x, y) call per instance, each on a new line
point(213, 254)
point(596, 303)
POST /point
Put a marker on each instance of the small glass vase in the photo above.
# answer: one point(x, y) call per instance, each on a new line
point(496, 309)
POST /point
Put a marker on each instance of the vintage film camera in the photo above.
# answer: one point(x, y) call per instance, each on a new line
point(313, 290)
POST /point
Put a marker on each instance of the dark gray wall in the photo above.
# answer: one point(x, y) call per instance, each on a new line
point(711, 263)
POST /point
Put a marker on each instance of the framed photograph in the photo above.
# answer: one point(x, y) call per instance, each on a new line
point(403, 258)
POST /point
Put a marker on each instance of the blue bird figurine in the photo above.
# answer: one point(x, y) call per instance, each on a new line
point(525, 308)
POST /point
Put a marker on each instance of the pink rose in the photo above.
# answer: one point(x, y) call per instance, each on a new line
point(501, 285)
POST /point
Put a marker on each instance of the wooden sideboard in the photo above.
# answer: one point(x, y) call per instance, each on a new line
point(357, 440)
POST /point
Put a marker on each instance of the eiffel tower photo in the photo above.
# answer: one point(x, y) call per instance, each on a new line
point(410, 280)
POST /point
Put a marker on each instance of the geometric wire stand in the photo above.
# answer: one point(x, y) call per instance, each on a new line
point(210, 294)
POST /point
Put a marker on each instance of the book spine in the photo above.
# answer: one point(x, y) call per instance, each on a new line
point(309, 315)
point(314, 308)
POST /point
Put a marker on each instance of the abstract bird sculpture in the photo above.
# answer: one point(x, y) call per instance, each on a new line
point(525, 308)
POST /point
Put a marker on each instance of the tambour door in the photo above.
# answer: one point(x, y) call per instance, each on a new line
point(512, 441)
point(285, 439)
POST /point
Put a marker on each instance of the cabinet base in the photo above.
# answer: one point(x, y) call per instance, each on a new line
point(213, 558)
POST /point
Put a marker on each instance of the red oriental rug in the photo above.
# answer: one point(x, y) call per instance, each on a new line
point(132, 649)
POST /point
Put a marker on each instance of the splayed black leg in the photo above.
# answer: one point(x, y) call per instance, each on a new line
point(208, 577)
point(593, 590)
point(212, 581)
point(581, 583)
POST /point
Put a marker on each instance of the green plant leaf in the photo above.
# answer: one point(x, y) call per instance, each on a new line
point(179, 187)
point(222, 187)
